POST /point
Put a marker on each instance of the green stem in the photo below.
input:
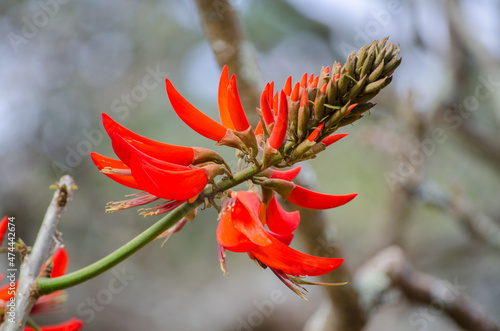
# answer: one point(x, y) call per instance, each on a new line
point(49, 285)
point(32, 324)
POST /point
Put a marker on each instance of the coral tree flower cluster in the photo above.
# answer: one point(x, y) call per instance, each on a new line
point(296, 123)
point(46, 303)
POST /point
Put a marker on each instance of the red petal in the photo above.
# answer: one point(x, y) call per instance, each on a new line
point(275, 103)
point(250, 200)
point(265, 106)
point(194, 118)
point(333, 138)
point(303, 80)
point(102, 162)
point(310, 80)
point(284, 238)
point(305, 198)
point(323, 89)
point(280, 221)
point(245, 218)
point(258, 129)
point(315, 82)
point(167, 152)
point(288, 86)
point(304, 101)
point(225, 116)
point(60, 260)
point(3, 227)
point(230, 238)
point(167, 184)
point(288, 175)
point(236, 111)
point(295, 92)
point(279, 132)
point(292, 262)
point(271, 91)
point(124, 150)
point(4, 292)
point(315, 134)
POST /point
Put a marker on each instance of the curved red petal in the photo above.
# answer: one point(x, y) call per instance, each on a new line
point(225, 116)
point(60, 261)
point(314, 83)
point(102, 162)
point(292, 262)
point(250, 200)
point(245, 217)
point(275, 103)
point(280, 221)
point(167, 184)
point(288, 86)
point(265, 106)
point(125, 150)
point(3, 227)
point(295, 92)
point(167, 152)
point(230, 238)
point(194, 118)
point(303, 80)
point(279, 131)
point(284, 238)
point(333, 138)
point(316, 132)
point(305, 198)
point(258, 129)
point(310, 80)
point(288, 175)
point(236, 111)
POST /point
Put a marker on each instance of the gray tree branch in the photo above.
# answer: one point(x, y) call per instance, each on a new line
point(45, 245)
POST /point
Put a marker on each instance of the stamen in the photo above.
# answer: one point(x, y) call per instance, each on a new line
point(123, 172)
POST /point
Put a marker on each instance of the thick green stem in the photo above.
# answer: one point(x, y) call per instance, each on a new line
point(49, 285)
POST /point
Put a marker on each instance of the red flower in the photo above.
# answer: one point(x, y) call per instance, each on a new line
point(163, 171)
point(45, 303)
point(241, 229)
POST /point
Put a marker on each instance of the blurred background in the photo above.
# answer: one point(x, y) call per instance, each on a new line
point(425, 162)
